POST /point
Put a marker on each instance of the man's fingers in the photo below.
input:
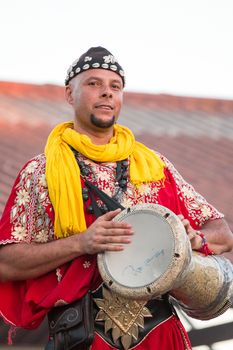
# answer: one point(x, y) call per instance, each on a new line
point(111, 225)
point(112, 239)
point(111, 248)
point(110, 215)
point(192, 234)
point(186, 223)
point(106, 225)
point(107, 235)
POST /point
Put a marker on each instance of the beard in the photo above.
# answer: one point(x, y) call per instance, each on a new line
point(103, 124)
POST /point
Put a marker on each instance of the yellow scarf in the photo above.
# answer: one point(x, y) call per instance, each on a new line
point(63, 173)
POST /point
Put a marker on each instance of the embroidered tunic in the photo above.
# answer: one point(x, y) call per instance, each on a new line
point(29, 216)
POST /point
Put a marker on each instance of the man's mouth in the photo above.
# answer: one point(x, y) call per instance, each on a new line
point(105, 106)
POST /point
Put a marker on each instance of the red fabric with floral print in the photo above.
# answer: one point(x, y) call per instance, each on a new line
point(28, 217)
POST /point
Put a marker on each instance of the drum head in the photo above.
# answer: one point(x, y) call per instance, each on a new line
point(150, 264)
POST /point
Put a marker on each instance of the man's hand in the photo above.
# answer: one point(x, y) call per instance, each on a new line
point(194, 238)
point(217, 233)
point(105, 235)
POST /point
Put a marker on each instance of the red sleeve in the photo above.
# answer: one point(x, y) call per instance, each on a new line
point(28, 215)
point(189, 203)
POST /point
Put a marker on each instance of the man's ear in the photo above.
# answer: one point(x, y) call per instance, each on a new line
point(68, 95)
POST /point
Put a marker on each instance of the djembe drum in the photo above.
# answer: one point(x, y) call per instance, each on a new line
point(160, 260)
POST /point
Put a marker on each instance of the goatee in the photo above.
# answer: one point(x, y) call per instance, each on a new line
point(103, 124)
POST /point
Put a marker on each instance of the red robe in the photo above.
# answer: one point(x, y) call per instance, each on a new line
point(29, 216)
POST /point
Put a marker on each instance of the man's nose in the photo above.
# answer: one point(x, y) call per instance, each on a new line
point(106, 91)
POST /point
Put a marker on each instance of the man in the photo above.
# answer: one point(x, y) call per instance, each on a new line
point(52, 211)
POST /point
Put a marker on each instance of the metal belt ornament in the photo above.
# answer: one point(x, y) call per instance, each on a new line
point(122, 316)
point(159, 260)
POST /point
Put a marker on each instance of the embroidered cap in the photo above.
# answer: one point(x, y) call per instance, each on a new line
point(95, 58)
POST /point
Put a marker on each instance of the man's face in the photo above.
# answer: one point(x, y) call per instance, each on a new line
point(96, 96)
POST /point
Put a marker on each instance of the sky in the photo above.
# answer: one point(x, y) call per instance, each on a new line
point(180, 47)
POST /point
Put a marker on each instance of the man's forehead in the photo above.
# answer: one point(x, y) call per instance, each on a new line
point(100, 74)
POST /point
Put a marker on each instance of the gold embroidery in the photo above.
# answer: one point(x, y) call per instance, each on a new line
point(123, 316)
point(60, 302)
point(30, 221)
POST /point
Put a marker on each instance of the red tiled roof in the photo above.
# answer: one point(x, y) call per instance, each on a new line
point(32, 91)
point(177, 103)
point(55, 93)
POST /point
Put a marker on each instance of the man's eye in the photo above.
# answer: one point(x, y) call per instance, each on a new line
point(116, 86)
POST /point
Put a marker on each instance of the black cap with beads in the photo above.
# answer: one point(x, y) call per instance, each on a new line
point(95, 58)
